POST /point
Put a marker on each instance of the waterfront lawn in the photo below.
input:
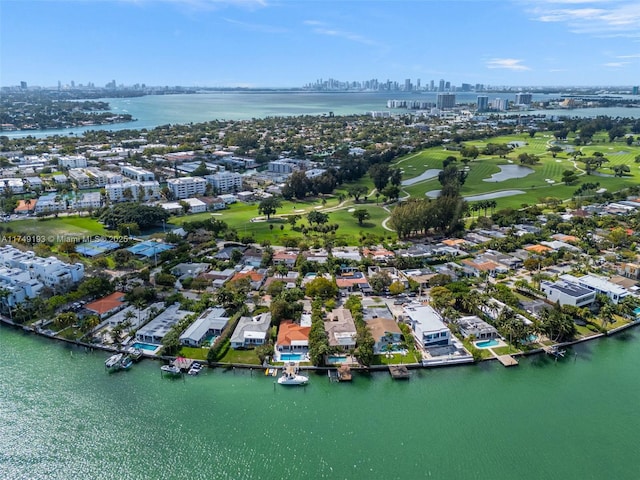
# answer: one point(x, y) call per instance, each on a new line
point(241, 356)
point(394, 359)
point(617, 323)
point(584, 331)
point(507, 350)
point(195, 353)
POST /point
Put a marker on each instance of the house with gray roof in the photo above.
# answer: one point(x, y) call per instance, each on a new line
point(251, 331)
point(208, 325)
point(477, 327)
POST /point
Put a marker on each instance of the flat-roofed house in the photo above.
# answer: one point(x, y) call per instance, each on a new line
point(427, 325)
point(567, 293)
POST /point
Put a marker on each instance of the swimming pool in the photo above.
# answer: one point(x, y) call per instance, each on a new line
point(488, 343)
point(336, 359)
point(290, 357)
point(145, 346)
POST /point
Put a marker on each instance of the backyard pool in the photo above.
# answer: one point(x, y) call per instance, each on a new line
point(145, 346)
point(336, 359)
point(290, 357)
point(488, 343)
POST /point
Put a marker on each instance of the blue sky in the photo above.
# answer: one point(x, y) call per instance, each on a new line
point(288, 43)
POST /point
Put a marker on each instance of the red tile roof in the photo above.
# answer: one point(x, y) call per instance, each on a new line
point(106, 304)
point(290, 331)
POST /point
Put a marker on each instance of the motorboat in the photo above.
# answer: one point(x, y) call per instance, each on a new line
point(113, 362)
point(195, 369)
point(126, 362)
point(135, 353)
point(290, 376)
point(171, 369)
point(288, 379)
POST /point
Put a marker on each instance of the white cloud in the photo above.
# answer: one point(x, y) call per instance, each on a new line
point(507, 64)
point(322, 29)
point(620, 18)
point(615, 64)
point(635, 55)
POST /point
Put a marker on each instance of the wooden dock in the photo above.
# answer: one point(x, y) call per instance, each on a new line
point(183, 364)
point(507, 360)
point(399, 372)
point(344, 373)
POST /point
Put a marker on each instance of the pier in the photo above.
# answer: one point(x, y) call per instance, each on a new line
point(507, 360)
point(399, 372)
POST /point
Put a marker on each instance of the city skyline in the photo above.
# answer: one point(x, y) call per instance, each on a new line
point(247, 43)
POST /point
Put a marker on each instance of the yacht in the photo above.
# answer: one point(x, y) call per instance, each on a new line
point(113, 362)
point(290, 376)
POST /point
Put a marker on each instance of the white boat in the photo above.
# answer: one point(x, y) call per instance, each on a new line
point(171, 369)
point(113, 361)
point(195, 369)
point(290, 376)
point(288, 379)
point(135, 353)
point(126, 362)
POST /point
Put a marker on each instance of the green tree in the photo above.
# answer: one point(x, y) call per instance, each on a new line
point(321, 287)
point(396, 288)
point(268, 206)
point(361, 214)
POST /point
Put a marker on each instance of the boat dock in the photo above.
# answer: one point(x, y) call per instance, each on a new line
point(184, 364)
point(554, 351)
point(344, 373)
point(399, 372)
point(507, 360)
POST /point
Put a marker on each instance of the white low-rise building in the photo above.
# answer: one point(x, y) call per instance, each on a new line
point(599, 285)
point(116, 192)
point(567, 293)
point(72, 161)
point(138, 174)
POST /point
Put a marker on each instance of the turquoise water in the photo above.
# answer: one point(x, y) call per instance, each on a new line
point(336, 359)
point(487, 343)
point(64, 418)
point(290, 357)
point(145, 346)
point(153, 110)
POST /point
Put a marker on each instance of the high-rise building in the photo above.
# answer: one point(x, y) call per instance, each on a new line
point(483, 103)
point(445, 100)
point(635, 91)
point(23, 85)
point(407, 85)
point(432, 85)
point(418, 84)
point(441, 86)
point(447, 86)
point(523, 98)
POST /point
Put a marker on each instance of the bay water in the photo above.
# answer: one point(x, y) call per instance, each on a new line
point(62, 416)
point(153, 110)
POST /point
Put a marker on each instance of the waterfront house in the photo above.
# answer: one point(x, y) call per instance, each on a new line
point(154, 331)
point(477, 327)
point(385, 331)
point(567, 293)
point(598, 284)
point(105, 306)
point(251, 331)
point(340, 328)
point(292, 338)
point(206, 327)
point(427, 325)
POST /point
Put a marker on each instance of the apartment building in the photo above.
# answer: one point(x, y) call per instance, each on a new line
point(186, 187)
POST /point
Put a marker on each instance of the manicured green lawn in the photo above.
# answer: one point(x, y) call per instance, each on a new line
point(239, 216)
point(394, 359)
point(193, 352)
point(618, 322)
point(535, 185)
point(241, 356)
point(508, 350)
point(59, 227)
